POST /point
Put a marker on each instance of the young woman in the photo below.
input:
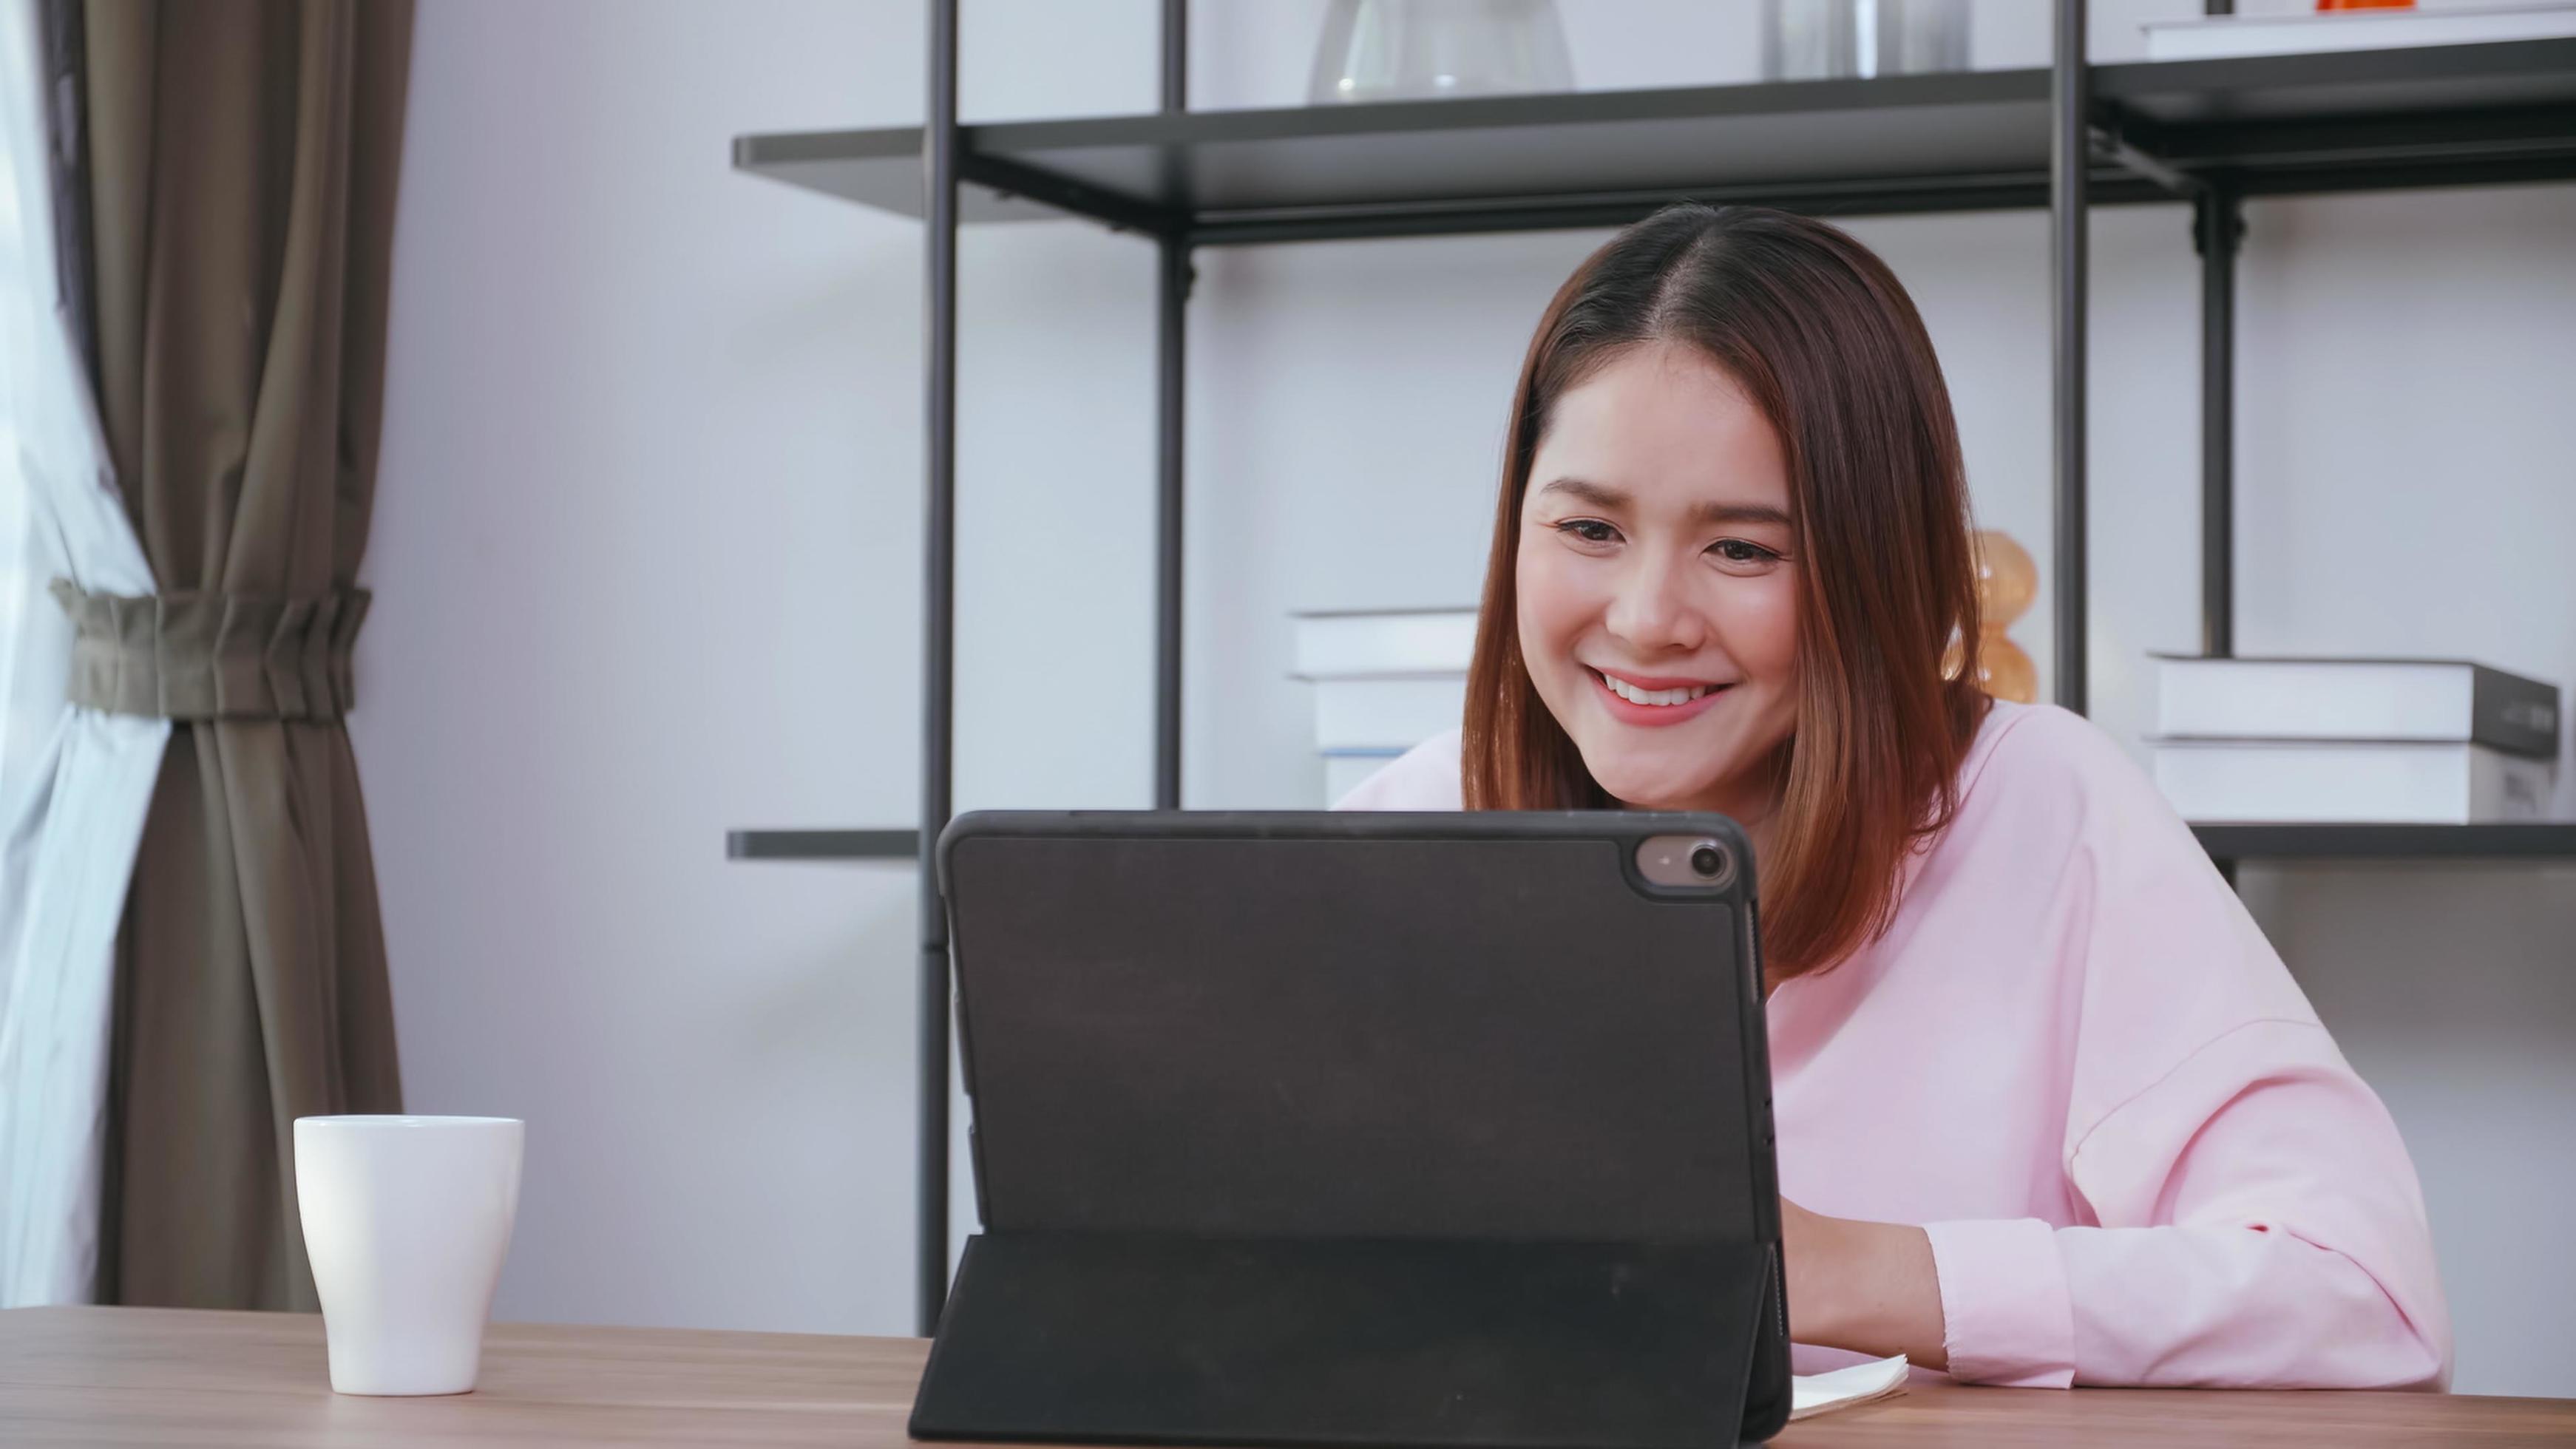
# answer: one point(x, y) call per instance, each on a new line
point(2050, 1109)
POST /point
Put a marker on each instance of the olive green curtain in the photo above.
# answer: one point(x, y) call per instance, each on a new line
point(241, 164)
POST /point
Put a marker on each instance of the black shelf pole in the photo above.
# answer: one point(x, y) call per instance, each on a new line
point(2218, 227)
point(1176, 56)
point(1171, 366)
point(938, 650)
point(1171, 359)
point(2069, 156)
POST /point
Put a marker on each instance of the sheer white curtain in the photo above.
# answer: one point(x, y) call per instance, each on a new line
point(74, 783)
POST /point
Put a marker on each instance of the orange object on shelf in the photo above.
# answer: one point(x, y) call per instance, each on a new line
point(2365, 4)
point(2007, 582)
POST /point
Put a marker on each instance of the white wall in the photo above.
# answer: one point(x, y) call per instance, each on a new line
point(646, 558)
point(646, 550)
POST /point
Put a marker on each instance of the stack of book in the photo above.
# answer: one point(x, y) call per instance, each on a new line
point(1385, 681)
point(2208, 38)
point(2388, 741)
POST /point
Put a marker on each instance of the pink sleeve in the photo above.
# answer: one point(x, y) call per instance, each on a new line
point(1425, 777)
point(2260, 1227)
point(2245, 1213)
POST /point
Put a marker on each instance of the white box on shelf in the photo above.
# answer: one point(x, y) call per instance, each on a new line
point(1344, 644)
point(2233, 782)
point(2452, 701)
point(2222, 36)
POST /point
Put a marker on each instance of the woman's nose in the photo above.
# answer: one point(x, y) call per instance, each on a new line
point(1653, 613)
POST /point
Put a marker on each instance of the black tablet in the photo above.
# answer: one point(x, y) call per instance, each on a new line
point(1319, 1128)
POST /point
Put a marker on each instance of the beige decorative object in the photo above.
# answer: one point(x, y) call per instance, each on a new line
point(2007, 582)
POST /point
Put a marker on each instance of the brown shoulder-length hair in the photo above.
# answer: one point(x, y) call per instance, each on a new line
point(1822, 338)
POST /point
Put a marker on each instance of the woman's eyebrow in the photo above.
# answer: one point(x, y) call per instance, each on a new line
point(1711, 512)
point(1740, 513)
point(1588, 493)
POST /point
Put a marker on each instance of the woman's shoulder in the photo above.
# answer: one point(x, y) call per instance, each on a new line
point(2047, 801)
point(2041, 759)
point(1425, 777)
point(2063, 841)
point(2056, 821)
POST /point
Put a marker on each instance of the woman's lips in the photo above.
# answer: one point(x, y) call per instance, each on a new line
point(1629, 711)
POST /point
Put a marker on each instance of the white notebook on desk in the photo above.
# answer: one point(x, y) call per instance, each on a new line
point(1862, 1383)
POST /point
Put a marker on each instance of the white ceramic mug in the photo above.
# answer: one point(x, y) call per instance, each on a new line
point(406, 1220)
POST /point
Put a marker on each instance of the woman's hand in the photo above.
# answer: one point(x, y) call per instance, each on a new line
point(1869, 1287)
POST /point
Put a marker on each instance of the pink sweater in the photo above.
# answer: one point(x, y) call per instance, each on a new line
point(2075, 1060)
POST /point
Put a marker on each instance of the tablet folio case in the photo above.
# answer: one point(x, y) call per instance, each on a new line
point(1437, 1133)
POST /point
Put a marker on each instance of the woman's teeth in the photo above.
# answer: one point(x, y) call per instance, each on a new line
point(1634, 695)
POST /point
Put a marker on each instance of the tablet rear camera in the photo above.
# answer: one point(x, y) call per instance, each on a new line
point(1693, 864)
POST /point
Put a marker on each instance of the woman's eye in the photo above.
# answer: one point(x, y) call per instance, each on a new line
point(1736, 550)
point(1589, 530)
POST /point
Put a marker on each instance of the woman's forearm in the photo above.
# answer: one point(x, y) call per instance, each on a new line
point(1868, 1287)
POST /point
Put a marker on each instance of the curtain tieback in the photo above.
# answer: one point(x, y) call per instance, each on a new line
point(213, 655)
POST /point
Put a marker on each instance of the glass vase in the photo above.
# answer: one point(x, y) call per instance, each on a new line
point(1826, 39)
point(1402, 50)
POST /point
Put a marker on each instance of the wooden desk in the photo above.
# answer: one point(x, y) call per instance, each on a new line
point(144, 1376)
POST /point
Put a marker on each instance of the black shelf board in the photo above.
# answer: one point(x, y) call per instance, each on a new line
point(822, 844)
point(2552, 840)
point(1958, 141)
point(1960, 132)
point(2348, 120)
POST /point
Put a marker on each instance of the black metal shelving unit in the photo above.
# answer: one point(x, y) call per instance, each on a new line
point(2066, 137)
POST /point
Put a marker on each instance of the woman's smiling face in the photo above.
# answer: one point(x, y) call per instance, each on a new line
point(1658, 582)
